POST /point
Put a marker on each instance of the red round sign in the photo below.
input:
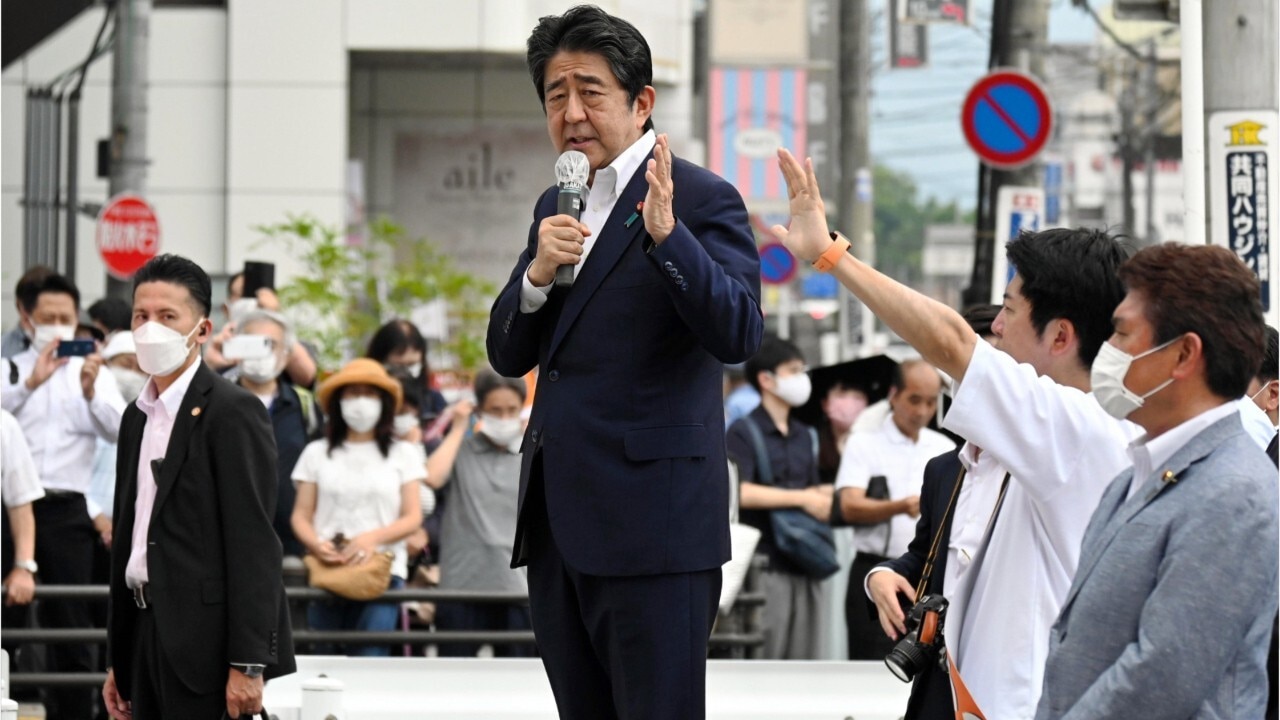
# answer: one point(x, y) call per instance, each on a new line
point(128, 235)
point(1007, 118)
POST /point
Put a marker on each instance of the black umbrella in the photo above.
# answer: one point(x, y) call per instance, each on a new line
point(872, 375)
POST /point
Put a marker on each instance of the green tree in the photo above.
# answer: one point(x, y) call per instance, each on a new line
point(900, 219)
point(347, 292)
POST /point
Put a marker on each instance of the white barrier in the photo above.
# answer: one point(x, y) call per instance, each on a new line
point(517, 689)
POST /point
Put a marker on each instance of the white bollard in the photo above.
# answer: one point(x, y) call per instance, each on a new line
point(322, 699)
point(8, 709)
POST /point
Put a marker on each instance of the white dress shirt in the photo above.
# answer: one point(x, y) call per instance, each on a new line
point(1062, 450)
point(1255, 421)
point(19, 482)
point(1148, 454)
point(61, 427)
point(603, 195)
point(901, 461)
point(161, 412)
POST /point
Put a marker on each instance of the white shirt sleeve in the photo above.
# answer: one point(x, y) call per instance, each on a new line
point(305, 470)
point(410, 461)
point(107, 407)
point(1037, 429)
point(532, 297)
point(854, 469)
point(19, 481)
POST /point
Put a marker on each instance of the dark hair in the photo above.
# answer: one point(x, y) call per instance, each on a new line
point(899, 380)
point(28, 287)
point(1270, 368)
point(113, 313)
point(412, 391)
point(397, 336)
point(981, 317)
point(487, 381)
point(383, 432)
point(1071, 274)
point(1206, 290)
point(179, 271)
point(587, 28)
point(774, 351)
point(51, 283)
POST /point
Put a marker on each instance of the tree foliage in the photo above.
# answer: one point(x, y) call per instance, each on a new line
point(348, 291)
point(900, 219)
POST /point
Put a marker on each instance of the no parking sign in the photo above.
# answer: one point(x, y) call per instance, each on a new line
point(1007, 119)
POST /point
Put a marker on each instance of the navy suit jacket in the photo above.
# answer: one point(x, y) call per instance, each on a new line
point(931, 691)
point(628, 419)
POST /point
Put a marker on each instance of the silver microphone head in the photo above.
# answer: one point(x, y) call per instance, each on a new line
point(572, 169)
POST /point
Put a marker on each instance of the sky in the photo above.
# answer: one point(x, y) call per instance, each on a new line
point(915, 114)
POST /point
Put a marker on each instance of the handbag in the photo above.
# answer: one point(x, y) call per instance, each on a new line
point(804, 540)
point(366, 581)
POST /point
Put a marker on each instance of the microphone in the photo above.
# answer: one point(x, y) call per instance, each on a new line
point(572, 170)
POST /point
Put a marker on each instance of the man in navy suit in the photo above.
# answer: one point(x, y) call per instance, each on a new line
point(624, 491)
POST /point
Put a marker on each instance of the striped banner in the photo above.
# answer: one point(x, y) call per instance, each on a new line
point(752, 112)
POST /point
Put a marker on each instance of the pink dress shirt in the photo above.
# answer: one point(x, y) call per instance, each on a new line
point(161, 412)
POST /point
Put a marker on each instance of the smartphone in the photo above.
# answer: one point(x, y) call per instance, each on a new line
point(258, 275)
point(246, 347)
point(76, 348)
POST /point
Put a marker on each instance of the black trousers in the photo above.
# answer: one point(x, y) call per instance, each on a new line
point(867, 640)
point(156, 692)
point(64, 551)
point(633, 647)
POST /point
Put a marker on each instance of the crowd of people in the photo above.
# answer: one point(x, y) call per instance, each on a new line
point(361, 452)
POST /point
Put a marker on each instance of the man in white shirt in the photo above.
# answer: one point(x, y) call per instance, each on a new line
point(64, 404)
point(1170, 612)
point(1030, 411)
point(20, 486)
point(884, 519)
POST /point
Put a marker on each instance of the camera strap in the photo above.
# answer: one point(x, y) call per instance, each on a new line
point(937, 536)
point(966, 707)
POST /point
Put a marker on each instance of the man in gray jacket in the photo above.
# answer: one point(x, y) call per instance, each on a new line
point(1170, 611)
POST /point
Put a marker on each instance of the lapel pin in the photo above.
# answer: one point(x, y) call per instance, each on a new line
point(1169, 478)
point(195, 412)
point(634, 215)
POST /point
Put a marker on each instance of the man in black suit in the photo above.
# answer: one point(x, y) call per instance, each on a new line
point(624, 489)
point(198, 617)
point(931, 693)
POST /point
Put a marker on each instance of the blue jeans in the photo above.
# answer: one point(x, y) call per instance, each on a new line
point(339, 614)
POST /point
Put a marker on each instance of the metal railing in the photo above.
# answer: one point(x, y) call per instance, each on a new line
point(743, 639)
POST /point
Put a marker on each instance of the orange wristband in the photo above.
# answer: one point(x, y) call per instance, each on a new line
point(831, 255)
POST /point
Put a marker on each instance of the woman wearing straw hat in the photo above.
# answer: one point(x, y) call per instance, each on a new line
point(358, 492)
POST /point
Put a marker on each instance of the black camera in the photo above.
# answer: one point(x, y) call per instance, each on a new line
point(919, 646)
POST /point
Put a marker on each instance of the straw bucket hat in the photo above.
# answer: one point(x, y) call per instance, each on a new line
point(361, 371)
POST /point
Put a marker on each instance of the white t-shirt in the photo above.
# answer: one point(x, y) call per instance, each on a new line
point(888, 452)
point(357, 489)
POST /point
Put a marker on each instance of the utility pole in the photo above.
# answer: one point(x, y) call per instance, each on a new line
point(1019, 34)
point(1128, 108)
point(854, 190)
point(1150, 131)
point(129, 83)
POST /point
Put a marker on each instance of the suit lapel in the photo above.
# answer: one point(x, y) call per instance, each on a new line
point(611, 242)
point(189, 416)
point(135, 423)
point(1163, 478)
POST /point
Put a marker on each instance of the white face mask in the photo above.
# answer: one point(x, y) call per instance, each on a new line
point(46, 334)
point(361, 414)
point(794, 390)
point(1107, 377)
point(261, 369)
point(404, 424)
point(161, 349)
point(129, 381)
point(502, 432)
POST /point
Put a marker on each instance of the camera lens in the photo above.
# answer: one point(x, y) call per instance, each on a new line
point(907, 658)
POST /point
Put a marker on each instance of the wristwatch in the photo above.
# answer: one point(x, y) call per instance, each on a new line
point(28, 565)
point(250, 671)
point(831, 255)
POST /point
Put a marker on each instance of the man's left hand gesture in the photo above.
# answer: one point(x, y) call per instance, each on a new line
point(244, 694)
point(89, 374)
point(659, 216)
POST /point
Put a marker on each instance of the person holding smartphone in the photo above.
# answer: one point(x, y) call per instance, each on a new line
point(64, 403)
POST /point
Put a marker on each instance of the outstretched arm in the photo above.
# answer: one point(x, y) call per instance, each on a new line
point(939, 333)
